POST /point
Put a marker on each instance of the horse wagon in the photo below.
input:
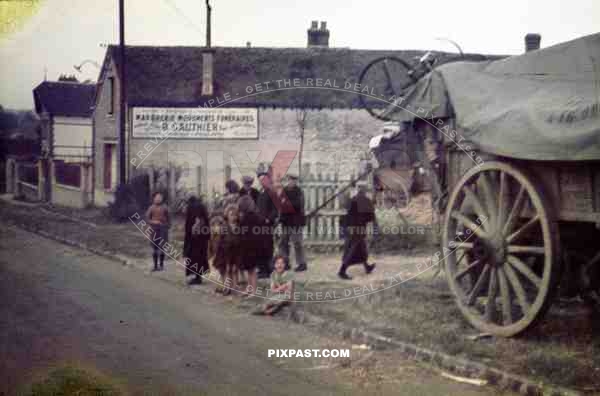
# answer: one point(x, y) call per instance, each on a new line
point(513, 148)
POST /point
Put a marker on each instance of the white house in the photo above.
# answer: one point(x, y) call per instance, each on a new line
point(66, 167)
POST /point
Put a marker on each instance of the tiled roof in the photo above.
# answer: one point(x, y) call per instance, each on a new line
point(172, 76)
point(61, 98)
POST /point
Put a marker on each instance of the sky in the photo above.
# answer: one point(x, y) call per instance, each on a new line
point(62, 33)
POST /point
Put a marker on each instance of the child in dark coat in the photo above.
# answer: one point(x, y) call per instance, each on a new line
point(195, 245)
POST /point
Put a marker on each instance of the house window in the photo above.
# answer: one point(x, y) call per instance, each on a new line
point(68, 174)
point(110, 166)
point(111, 95)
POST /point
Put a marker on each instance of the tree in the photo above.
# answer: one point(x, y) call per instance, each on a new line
point(301, 99)
point(301, 115)
point(8, 120)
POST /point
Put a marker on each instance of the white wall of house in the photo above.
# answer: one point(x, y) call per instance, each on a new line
point(72, 142)
point(72, 131)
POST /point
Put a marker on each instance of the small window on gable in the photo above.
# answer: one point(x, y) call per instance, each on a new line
point(111, 95)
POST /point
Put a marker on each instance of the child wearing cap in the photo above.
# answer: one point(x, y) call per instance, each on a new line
point(158, 218)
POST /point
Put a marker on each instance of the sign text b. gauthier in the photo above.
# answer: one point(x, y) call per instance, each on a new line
point(195, 123)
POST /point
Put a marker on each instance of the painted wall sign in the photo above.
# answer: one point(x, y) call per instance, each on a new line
point(195, 123)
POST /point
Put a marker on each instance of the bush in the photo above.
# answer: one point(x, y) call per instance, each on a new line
point(131, 198)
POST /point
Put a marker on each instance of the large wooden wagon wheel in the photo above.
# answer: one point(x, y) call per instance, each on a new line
point(385, 78)
point(501, 246)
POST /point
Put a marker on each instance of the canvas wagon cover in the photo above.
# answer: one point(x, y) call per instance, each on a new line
point(542, 105)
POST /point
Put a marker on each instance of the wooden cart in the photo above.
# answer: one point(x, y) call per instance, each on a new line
point(515, 231)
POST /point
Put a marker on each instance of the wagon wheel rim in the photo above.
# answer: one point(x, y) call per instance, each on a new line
point(501, 259)
point(391, 69)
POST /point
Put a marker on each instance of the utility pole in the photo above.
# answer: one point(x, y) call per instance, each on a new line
point(208, 11)
point(122, 94)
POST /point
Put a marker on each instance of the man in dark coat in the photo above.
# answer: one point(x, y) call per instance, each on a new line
point(354, 225)
point(268, 212)
point(247, 188)
point(195, 245)
point(293, 219)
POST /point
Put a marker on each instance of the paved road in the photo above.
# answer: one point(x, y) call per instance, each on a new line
point(64, 306)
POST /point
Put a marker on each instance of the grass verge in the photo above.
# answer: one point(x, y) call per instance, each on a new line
point(70, 381)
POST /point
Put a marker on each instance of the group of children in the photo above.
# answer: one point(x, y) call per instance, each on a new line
point(230, 238)
point(237, 238)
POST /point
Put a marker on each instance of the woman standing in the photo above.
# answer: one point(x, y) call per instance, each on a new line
point(354, 226)
point(195, 245)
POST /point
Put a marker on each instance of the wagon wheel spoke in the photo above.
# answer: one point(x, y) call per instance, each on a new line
point(490, 200)
point(525, 227)
point(502, 199)
point(524, 269)
point(388, 77)
point(468, 269)
point(507, 317)
point(516, 209)
point(477, 204)
point(463, 246)
point(516, 285)
point(478, 285)
point(490, 305)
point(461, 258)
point(526, 249)
point(465, 221)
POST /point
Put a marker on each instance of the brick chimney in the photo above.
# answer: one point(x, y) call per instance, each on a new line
point(318, 36)
point(532, 41)
point(208, 57)
point(208, 72)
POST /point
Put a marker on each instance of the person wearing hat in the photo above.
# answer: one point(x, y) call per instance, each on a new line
point(231, 196)
point(293, 219)
point(268, 212)
point(360, 213)
point(247, 188)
